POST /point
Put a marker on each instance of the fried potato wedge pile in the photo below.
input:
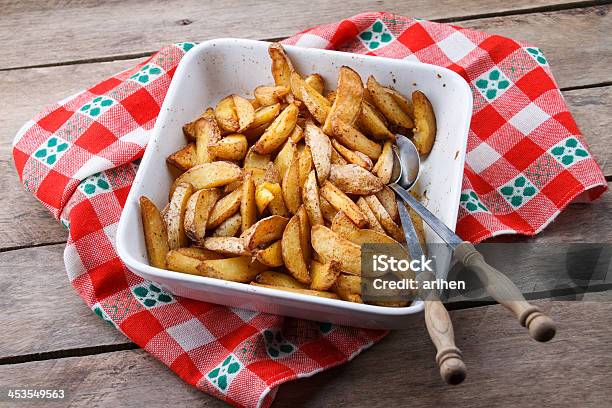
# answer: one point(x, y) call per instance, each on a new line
point(281, 189)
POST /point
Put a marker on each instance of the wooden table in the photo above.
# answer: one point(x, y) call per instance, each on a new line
point(49, 337)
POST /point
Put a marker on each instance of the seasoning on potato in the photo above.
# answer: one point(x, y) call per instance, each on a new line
point(280, 189)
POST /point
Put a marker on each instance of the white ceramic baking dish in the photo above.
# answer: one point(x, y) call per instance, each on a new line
point(216, 68)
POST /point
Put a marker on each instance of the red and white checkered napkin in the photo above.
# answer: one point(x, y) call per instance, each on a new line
point(526, 161)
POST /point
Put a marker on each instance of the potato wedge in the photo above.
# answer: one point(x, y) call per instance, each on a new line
point(281, 64)
point(254, 102)
point(372, 124)
point(309, 292)
point(321, 150)
point(263, 196)
point(310, 198)
point(293, 256)
point(332, 247)
point(342, 225)
point(179, 262)
point(336, 158)
point(264, 232)
point(323, 274)
point(175, 217)
point(297, 134)
point(386, 196)
point(206, 132)
point(224, 208)
point(265, 115)
point(291, 186)
point(424, 123)
point(305, 164)
point(417, 221)
point(316, 81)
point(199, 253)
point(254, 160)
point(278, 132)
point(342, 202)
point(354, 139)
point(384, 166)
point(271, 256)
point(285, 157)
point(270, 95)
point(189, 128)
point(373, 222)
point(386, 103)
point(385, 219)
point(352, 157)
point(197, 212)
point(183, 159)
point(209, 175)
point(305, 234)
point(402, 101)
point(237, 269)
point(248, 207)
point(354, 179)
point(273, 278)
point(327, 210)
point(317, 104)
point(155, 233)
point(226, 245)
point(228, 228)
point(347, 102)
point(347, 285)
point(226, 116)
point(231, 147)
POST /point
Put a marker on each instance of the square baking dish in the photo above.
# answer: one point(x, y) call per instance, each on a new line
point(217, 68)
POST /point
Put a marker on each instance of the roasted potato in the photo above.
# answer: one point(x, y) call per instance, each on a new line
point(311, 200)
point(271, 256)
point(175, 216)
point(248, 207)
point(264, 231)
point(323, 274)
point(199, 253)
point(224, 208)
point(209, 175)
point(183, 159)
point(270, 95)
point(354, 179)
point(228, 228)
point(197, 212)
point(234, 113)
point(387, 198)
point(321, 150)
point(226, 245)
point(384, 166)
point(316, 81)
point(342, 225)
point(424, 123)
point(373, 222)
point(347, 102)
point(281, 64)
point(372, 124)
point(385, 219)
point(278, 132)
point(354, 139)
point(231, 147)
point(293, 255)
point(238, 269)
point(317, 104)
point(291, 186)
point(273, 278)
point(156, 236)
point(342, 202)
point(206, 132)
point(332, 247)
point(179, 262)
point(352, 157)
point(386, 103)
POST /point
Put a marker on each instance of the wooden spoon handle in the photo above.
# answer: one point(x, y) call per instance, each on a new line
point(540, 326)
point(440, 328)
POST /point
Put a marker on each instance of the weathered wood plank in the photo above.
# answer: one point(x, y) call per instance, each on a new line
point(34, 282)
point(40, 310)
point(89, 29)
point(505, 368)
point(590, 107)
point(24, 220)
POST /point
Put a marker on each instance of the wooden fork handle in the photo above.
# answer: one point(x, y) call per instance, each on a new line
point(440, 328)
point(540, 326)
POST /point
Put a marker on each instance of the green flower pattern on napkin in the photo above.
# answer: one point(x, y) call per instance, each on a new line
point(97, 106)
point(569, 151)
point(537, 55)
point(518, 191)
point(222, 375)
point(94, 185)
point(51, 151)
point(471, 202)
point(375, 36)
point(276, 345)
point(492, 83)
point(97, 309)
point(147, 74)
point(151, 295)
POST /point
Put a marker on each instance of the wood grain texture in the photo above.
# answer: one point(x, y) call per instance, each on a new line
point(68, 323)
point(505, 368)
point(89, 29)
point(590, 107)
point(41, 312)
